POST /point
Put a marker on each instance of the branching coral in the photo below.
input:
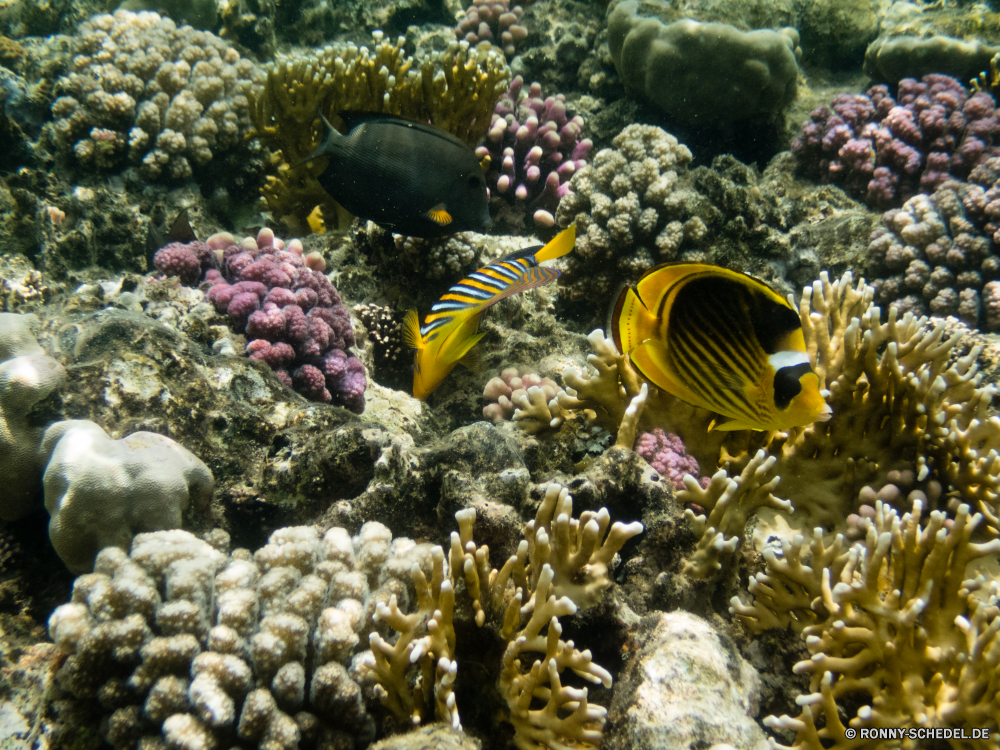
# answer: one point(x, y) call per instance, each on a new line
point(892, 621)
point(629, 211)
point(563, 564)
point(493, 20)
point(455, 90)
point(729, 502)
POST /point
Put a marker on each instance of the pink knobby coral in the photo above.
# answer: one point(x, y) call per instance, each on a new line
point(534, 148)
point(291, 313)
point(887, 149)
point(665, 452)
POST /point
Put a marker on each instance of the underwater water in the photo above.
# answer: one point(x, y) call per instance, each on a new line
point(402, 373)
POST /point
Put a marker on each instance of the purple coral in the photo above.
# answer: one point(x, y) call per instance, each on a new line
point(887, 150)
point(665, 452)
point(291, 313)
point(534, 148)
point(186, 261)
point(492, 20)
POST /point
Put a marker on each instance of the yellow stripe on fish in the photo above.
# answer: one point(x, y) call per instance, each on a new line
point(451, 328)
point(721, 340)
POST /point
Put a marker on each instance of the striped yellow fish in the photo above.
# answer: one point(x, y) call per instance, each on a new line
point(723, 341)
point(452, 328)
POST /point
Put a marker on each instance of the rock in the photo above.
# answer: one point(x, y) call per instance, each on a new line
point(685, 686)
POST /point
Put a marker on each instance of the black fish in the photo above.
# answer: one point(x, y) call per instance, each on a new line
point(408, 177)
point(180, 231)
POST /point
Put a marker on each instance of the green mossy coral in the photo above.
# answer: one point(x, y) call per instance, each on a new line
point(455, 90)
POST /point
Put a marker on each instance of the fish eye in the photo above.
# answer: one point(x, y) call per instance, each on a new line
point(475, 181)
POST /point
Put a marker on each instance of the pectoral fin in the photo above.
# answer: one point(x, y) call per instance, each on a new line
point(411, 329)
point(439, 215)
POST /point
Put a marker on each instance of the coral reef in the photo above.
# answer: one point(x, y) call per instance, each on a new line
point(887, 149)
point(291, 313)
point(717, 72)
point(101, 492)
point(560, 567)
point(891, 623)
point(27, 376)
point(143, 91)
point(455, 90)
point(627, 211)
point(186, 643)
point(534, 148)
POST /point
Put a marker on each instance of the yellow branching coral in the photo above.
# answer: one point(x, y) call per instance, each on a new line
point(899, 404)
point(456, 90)
point(894, 621)
point(562, 565)
point(730, 502)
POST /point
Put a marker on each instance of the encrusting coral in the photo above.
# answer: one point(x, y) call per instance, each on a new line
point(27, 375)
point(891, 622)
point(562, 565)
point(455, 90)
point(144, 91)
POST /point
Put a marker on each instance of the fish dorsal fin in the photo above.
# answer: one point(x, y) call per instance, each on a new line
point(180, 230)
point(411, 329)
point(560, 245)
point(439, 215)
point(535, 276)
point(353, 118)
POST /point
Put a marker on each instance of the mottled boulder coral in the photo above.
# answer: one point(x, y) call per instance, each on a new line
point(629, 210)
point(101, 492)
point(27, 375)
point(141, 90)
point(190, 645)
point(894, 628)
point(701, 73)
point(455, 89)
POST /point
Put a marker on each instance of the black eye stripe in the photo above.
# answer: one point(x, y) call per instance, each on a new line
point(787, 385)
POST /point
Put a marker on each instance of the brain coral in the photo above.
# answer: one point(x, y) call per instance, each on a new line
point(703, 71)
point(142, 90)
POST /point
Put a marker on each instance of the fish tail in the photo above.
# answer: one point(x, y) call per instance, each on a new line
point(330, 136)
point(559, 246)
point(631, 322)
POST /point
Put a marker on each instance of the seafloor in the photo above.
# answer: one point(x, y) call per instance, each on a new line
point(545, 553)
